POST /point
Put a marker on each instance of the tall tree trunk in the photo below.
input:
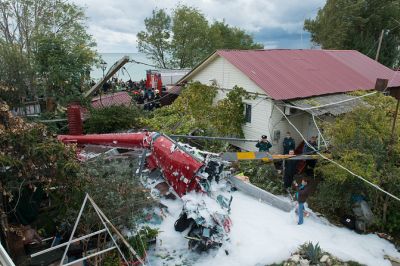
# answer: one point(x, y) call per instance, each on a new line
point(385, 209)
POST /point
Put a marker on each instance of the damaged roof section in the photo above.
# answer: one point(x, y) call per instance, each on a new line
point(321, 105)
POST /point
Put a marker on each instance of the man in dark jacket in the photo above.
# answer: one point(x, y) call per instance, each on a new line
point(289, 172)
point(303, 191)
point(263, 145)
point(288, 143)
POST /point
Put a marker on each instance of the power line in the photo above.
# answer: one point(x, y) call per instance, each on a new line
point(154, 66)
point(334, 103)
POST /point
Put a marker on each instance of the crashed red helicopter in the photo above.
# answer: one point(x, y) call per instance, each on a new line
point(184, 172)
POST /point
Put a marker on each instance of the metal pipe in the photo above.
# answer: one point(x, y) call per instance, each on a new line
point(75, 226)
point(53, 120)
point(64, 244)
point(108, 230)
point(88, 257)
point(5, 258)
point(213, 138)
point(99, 211)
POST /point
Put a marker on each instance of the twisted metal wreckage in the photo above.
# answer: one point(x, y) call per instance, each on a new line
point(186, 170)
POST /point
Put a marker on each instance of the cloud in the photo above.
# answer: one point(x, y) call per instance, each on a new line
point(275, 23)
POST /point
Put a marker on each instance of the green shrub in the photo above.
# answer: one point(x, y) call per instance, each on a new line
point(112, 119)
point(361, 141)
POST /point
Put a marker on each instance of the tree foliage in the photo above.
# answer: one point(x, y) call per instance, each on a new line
point(361, 142)
point(50, 41)
point(190, 29)
point(155, 40)
point(63, 64)
point(186, 37)
point(16, 74)
point(347, 24)
point(31, 159)
point(195, 110)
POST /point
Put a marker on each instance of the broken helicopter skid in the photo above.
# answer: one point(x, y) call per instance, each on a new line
point(190, 175)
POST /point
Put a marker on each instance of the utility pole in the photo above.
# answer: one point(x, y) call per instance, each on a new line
point(382, 85)
point(379, 45)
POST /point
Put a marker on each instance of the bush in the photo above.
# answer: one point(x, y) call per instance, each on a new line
point(112, 119)
point(361, 141)
point(262, 175)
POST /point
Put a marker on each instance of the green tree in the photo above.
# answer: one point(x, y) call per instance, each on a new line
point(223, 36)
point(33, 28)
point(154, 42)
point(63, 64)
point(348, 24)
point(195, 110)
point(190, 28)
point(189, 38)
point(16, 74)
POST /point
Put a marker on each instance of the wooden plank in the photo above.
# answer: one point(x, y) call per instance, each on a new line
point(110, 73)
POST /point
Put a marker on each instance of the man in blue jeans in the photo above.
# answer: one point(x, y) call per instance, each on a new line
point(302, 194)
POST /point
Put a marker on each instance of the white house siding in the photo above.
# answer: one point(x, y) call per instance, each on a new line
point(264, 120)
point(301, 120)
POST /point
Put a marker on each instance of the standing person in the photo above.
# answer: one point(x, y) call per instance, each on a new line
point(303, 191)
point(263, 145)
point(289, 172)
point(288, 143)
point(157, 97)
point(310, 164)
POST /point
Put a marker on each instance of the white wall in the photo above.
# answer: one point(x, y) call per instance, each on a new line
point(301, 120)
point(265, 119)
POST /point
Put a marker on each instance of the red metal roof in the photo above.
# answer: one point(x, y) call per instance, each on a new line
point(290, 74)
point(118, 98)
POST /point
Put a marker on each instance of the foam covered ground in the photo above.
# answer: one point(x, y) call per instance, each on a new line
point(263, 235)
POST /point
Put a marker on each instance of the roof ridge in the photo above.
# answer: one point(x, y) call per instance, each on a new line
point(285, 49)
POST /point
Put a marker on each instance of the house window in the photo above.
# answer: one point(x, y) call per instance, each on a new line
point(247, 112)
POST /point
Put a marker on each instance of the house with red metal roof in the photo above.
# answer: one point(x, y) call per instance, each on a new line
point(302, 83)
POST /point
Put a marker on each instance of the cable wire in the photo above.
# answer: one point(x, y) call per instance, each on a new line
point(336, 163)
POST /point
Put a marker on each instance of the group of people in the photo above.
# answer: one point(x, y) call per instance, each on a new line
point(115, 84)
point(290, 168)
point(149, 98)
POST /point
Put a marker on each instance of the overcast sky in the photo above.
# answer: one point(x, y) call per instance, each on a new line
point(275, 23)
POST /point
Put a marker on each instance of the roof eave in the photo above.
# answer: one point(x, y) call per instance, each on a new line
point(198, 67)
